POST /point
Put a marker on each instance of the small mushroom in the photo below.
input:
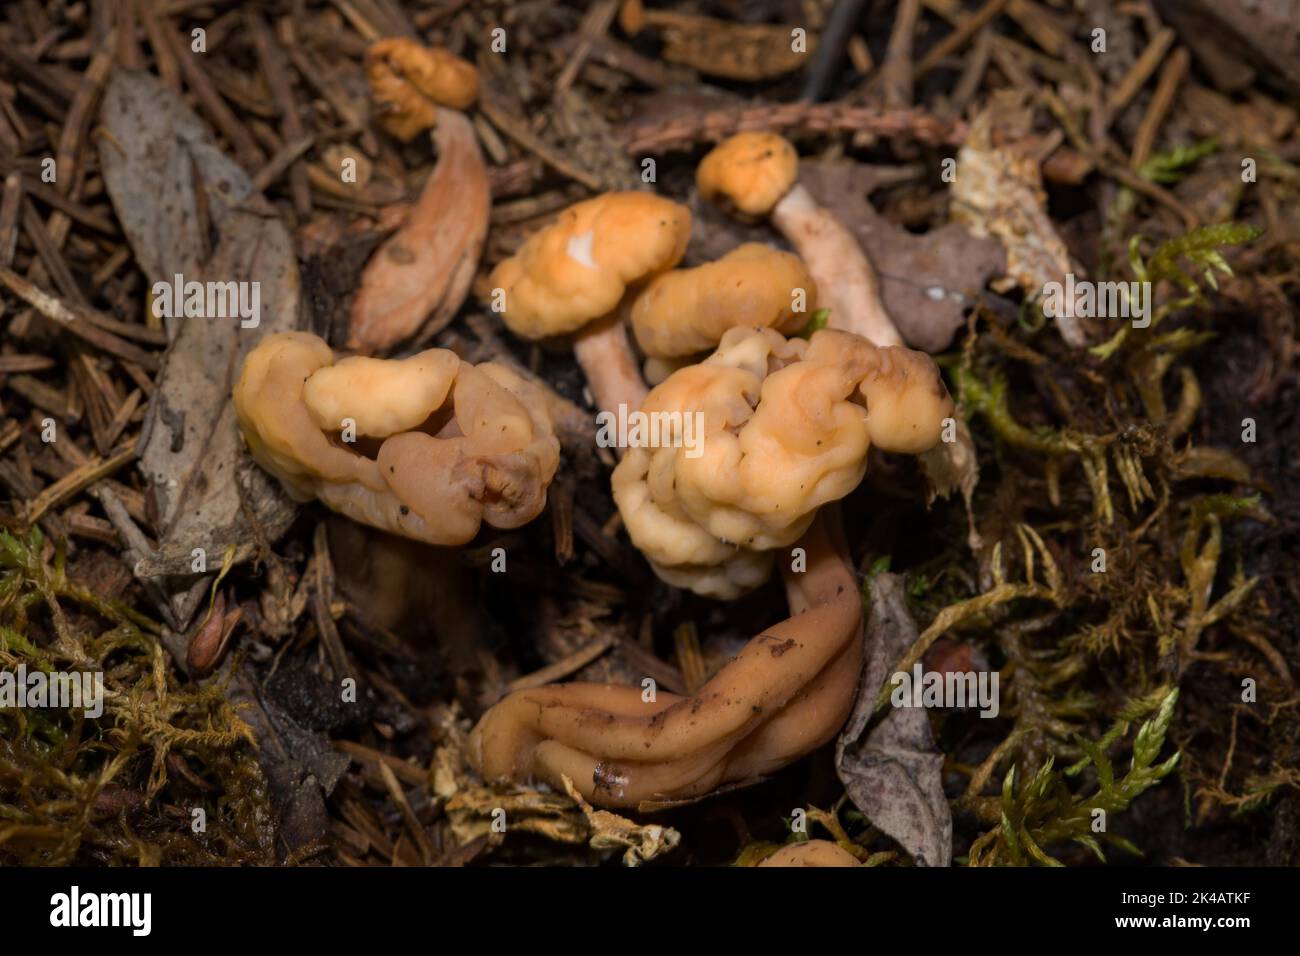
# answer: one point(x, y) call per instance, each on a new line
point(786, 693)
point(427, 447)
point(753, 174)
point(417, 280)
point(570, 277)
point(686, 311)
point(409, 81)
point(812, 853)
point(786, 425)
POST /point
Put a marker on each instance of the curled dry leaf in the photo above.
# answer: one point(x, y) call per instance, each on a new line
point(476, 812)
point(928, 281)
point(999, 192)
point(188, 210)
point(610, 831)
point(211, 638)
point(893, 772)
point(416, 281)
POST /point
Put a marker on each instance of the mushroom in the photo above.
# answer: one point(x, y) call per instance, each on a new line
point(427, 447)
point(571, 276)
point(786, 693)
point(785, 427)
point(409, 81)
point(812, 853)
point(753, 174)
point(417, 280)
point(686, 311)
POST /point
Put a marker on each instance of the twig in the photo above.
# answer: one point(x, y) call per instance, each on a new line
point(277, 79)
point(961, 33)
point(73, 319)
point(412, 822)
point(814, 119)
point(595, 24)
point(77, 481)
point(247, 151)
point(895, 76)
point(565, 666)
point(1141, 70)
point(1171, 78)
point(518, 131)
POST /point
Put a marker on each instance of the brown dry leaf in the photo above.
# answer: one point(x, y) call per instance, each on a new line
point(188, 209)
point(893, 773)
point(999, 192)
point(610, 831)
point(418, 279)
point(927, 281)
point(302, 767)
point(733, 51)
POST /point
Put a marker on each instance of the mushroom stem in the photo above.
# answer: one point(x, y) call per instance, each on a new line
point(605, 354)
point(787, 692)
point(844, 275)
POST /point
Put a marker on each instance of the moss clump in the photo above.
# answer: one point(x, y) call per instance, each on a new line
point(163, 776)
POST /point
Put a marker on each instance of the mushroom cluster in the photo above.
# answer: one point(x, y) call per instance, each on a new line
point(782, 428)
point(786, 428)
point(427, 447)
point(570, 278)
point(431, 447)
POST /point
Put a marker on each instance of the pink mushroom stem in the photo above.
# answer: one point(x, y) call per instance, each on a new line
point(603, 350)
point(846, 280)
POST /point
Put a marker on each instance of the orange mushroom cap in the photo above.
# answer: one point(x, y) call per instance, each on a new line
point(688, 310)
point(749, 172)
point(812, 853)
point(577, 269)
point(408, 82)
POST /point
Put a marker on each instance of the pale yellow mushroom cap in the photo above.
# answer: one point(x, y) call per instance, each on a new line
point(440, 445)
point(576, 269)
point(408, 81)
point(784, 428)
point(748, 172)
point(687, 310)
point(400, 393)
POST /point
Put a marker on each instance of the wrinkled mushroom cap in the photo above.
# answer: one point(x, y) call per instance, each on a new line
point(748, 172)
point(408, 81)
point(441, 445)
point(687, 310)
point(576, 269)
point(785, 428)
